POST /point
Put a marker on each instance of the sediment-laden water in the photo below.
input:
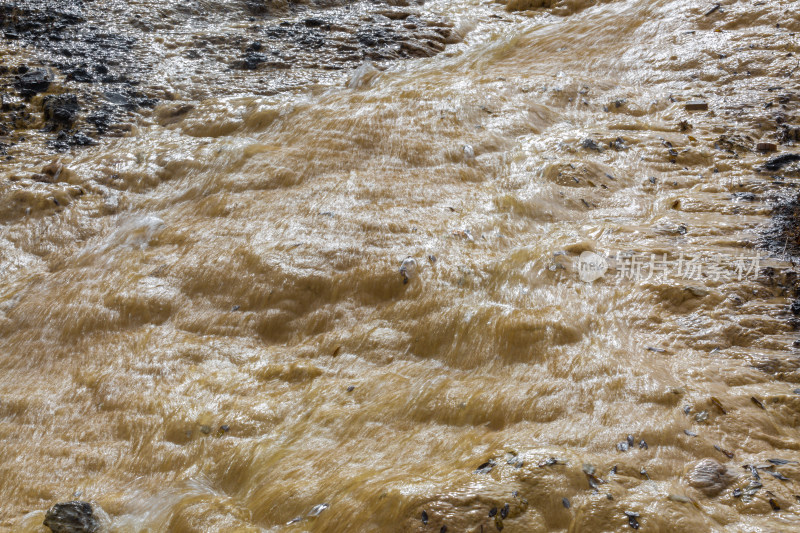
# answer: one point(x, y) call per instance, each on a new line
point(460, 266)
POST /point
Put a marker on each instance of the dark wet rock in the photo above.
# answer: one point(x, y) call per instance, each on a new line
point(781, 461)
point(71, 517)
point(591, 144)
point(256, 46)
point(723, 451)
point(80, 75)
point(777, 163)
point(783, 238)
point(56, 34)
point(778, 475)
point(746, 196)
point(347, 40)
point(618, 144)
point(33, 82)
point(102, 119)
point(632, 519)
point(66, 140)
point(314, 22)
point(117, 98)
point(718, 405)
point(61, 111)
point(757, 402)
point(251, 61)
point(81, 139)
point(594, 481)
point(486, 467)
point(709, 477)
point(789, 134)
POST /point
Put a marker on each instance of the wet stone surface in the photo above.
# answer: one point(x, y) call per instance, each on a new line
point(79, 70)
point(71, 517)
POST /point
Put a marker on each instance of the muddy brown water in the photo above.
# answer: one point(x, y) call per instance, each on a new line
point(208, 329)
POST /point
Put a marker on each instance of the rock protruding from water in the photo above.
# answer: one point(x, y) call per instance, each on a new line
point(33, 82)
point(60, 111)
point(71, 517)
point(709, 477)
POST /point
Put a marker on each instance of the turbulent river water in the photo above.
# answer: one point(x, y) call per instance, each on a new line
point(351, 299)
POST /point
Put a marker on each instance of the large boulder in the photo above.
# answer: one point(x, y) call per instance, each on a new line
point(71, 517)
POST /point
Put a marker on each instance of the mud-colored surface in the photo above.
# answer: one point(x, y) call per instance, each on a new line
point(350, 298)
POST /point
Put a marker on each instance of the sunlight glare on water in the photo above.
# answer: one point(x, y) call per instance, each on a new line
point(216, 333)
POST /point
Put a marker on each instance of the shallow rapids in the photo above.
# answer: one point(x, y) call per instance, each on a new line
point(204, 325)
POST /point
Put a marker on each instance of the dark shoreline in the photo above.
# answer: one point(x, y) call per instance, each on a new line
point(88, 74)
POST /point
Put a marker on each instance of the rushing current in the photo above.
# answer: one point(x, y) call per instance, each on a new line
point(512, 279)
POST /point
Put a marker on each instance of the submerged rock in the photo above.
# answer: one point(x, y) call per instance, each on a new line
point(408, 269)
point(709, 477)
point(71, 517)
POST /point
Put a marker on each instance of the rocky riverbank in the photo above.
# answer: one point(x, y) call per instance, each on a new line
point(73, 71)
